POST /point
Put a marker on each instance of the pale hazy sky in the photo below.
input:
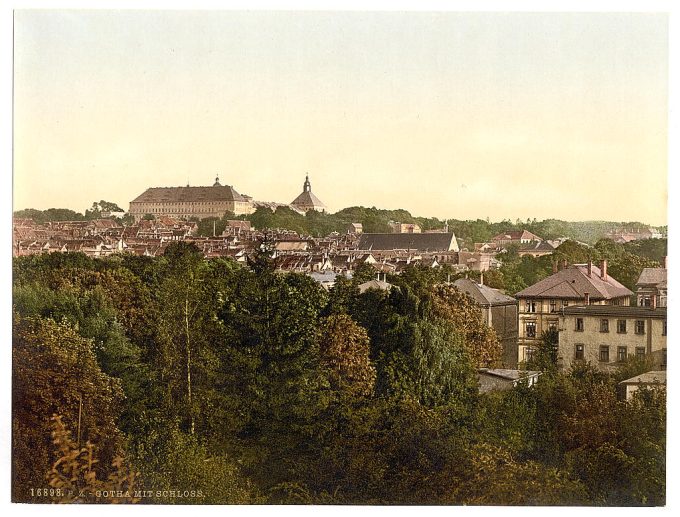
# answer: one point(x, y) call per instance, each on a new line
point(458, 115)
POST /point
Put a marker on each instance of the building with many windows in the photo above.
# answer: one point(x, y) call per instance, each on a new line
point(608, 335)
point(187, 202)
point(540, 305)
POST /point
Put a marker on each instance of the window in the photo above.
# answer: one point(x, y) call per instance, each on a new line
point(531, 306)
point(622, 354)
point(604, 354)
point(531, 329)
point(604, 325)
point(639, 326)
point(565, 303)
point(621, 326)
point(552, 324)
point(579, 324)
point(664, 329)
point(639, 351)
point(553, 305)
point(578, 352)
point(528, 354)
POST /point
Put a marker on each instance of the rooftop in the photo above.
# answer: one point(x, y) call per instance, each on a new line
point(483, 294)
point(615, 310)
point(408, 241)
point(573, 282)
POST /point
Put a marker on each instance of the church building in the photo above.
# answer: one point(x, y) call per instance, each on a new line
point(308, 201)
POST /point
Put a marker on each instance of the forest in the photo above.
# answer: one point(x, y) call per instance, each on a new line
point(181, 380)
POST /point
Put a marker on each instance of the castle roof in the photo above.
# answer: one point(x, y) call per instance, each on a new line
point(308, 199)
point(188, 194)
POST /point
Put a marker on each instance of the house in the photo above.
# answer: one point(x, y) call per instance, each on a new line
point(652, 283)
point(355, 228)
point(404, 227)
point(307, 200)
point(515, 237)
point(499, 312)
point(607, 335)
point(646, 380)
point(541, 303)
point(536, 249)
point(375, 284)
point(410, 242)
point(498, 379)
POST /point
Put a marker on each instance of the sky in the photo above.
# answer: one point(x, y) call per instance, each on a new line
point(452, 115)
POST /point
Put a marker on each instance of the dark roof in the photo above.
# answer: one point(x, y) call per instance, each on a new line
point(573, 282)
point(483, 294)
point(615, 311)
point(653, 276)
point(537, 246)
point(408, 241)
point(307, 199)
point(188, 194)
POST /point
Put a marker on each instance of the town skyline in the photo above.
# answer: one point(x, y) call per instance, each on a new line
point(448, 115)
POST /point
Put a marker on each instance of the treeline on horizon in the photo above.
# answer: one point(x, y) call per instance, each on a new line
point(374, 220)
point(245, 385)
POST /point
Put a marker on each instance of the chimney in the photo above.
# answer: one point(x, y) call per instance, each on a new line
point(564, 263)
point(481, 278)
point(603, 270)
point(590, 267)
point(652, 302)
point(587, 298)
point(554, 265)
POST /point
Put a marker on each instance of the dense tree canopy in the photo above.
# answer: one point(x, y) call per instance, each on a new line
point(252, 386)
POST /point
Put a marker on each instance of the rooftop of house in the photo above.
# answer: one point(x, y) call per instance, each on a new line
point(621, 311)
point(656, 276)
point(510, 375)
point(516, 235)
point(408, 241)
point(574, 282)
point(652, 377)
point(483, 294)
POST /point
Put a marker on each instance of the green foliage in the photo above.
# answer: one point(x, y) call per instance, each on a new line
point(254, 386)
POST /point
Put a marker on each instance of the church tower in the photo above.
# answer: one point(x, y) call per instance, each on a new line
point(306, 200)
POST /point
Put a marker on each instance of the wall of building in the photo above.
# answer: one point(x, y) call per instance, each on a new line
point(653, 341)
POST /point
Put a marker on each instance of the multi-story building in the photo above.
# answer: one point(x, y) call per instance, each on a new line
point(499, 312)
point(652, 283)
point(540, 305)
point(187, 202)
point(608, 335)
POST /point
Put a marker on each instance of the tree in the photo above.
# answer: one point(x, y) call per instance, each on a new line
point(344, 350)
point(544, 356)
point(480, 340)
point(55, 371)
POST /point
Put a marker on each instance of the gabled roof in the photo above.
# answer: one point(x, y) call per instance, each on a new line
point(408, 241)
point(652, 377)
point(653, 276)
point(188, 194)
point(374, 284)
point(537, 246)
point(483, 294)
point(573, 283)
point(516, 235)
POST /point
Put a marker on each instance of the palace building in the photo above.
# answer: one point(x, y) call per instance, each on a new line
point(187, 202)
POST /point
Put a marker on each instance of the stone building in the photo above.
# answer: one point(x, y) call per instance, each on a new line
point(187, 202)
point(607, 335)
point(499, 312)
point(540, 305)
point(652, 283)
point(307, 200)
